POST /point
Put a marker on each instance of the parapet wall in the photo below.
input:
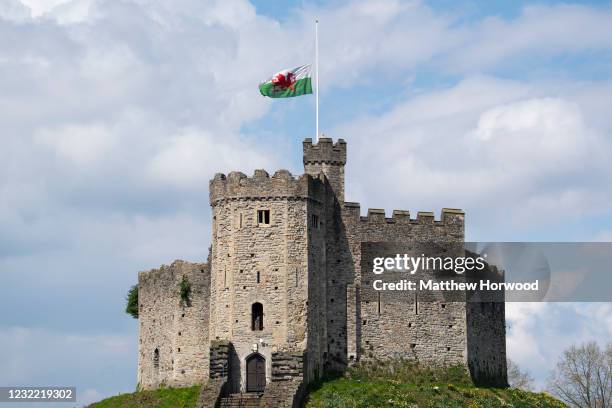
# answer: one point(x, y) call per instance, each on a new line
point(448, 216)
point(178, 331)
point(325, 151)
point(282, 184)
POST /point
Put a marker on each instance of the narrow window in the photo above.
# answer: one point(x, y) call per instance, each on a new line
point(416, 303)
point(258, 277)
point(240, 220)
point(263, 217)
point(156, 359)
point(257, 317)
point(378, 302)
point(314, 221)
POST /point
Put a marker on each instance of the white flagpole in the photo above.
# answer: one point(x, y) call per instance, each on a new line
point(317, 77)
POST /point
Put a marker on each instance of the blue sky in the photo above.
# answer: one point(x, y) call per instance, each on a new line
point(114, 116)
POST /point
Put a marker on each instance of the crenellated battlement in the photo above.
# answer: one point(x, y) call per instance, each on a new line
point(325, 151)
point(237, 185)
point(286, 284)
point(377, 215)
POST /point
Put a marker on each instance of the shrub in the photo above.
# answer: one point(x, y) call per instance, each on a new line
point(185, 292)
point(131, 306)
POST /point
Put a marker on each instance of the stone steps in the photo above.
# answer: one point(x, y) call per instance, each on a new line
point(249, 400)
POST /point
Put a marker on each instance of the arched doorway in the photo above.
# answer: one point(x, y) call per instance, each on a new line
point(256, 373)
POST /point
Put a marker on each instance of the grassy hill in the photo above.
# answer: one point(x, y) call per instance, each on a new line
point(373, 385)
point(403, 384)
point(346, 393)
point(162, 398)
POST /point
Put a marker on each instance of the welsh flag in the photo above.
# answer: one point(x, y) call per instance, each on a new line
point(288, 83)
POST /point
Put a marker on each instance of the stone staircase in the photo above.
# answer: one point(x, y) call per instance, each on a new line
point(249, 400)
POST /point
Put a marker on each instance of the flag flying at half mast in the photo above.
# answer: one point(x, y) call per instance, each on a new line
point(288, 83)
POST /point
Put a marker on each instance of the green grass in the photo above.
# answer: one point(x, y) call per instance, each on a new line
point(349, 393)
point(403, 384)
point(372, 385)
point(162, 398)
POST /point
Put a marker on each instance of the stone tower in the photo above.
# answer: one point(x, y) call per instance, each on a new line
point(282, 300)
point(327, 158)
point(263, 274)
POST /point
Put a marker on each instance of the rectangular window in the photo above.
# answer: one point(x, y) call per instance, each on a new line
point(239, 221)
point(263, 217)
point(314, 221)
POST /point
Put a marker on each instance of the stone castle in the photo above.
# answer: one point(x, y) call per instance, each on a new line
point(279, 301)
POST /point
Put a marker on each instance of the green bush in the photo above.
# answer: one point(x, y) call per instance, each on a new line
point(131, 306)
point(185, 292)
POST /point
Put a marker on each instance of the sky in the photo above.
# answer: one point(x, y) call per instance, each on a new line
point(114, 114)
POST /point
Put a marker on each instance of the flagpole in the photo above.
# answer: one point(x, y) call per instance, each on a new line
point(317, 76)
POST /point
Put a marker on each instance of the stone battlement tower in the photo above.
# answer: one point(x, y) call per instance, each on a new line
point(279, 301)
point(327, 158)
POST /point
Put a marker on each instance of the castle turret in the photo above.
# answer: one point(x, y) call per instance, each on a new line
point(261, 272)
point(327, 158)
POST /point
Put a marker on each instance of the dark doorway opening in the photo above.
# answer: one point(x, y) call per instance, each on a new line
point(256, 373)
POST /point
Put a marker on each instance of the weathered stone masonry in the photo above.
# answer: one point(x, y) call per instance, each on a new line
point(281, 299)
point(173, 344)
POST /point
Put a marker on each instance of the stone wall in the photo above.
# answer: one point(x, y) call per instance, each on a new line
point(383, 328)
point(261, 263)
point(287, 388)
point(327, 350)
point(218, 386)
point(486, 343)
point(328, 158)
point(304, 267)
point(179, 332)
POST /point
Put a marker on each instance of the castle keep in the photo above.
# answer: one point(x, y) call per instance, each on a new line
point(279, 300)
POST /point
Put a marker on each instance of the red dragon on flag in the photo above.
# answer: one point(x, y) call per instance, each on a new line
point(288, 83)
point(284, 79)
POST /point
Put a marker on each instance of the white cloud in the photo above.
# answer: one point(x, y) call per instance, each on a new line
point(14, 10)
point(495, 148)
point(40, 357)
point(114, 115)
point(190, 158)
point(539, 32)
point(81, 144)
point(540, 332)
point(40, 7)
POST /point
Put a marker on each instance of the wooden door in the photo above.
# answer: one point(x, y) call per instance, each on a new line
point(256, 373)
